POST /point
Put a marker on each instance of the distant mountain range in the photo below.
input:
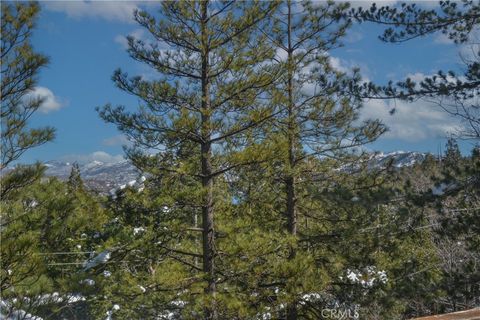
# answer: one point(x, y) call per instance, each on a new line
point(399, 159)
point(107, 177)
point(100, 176)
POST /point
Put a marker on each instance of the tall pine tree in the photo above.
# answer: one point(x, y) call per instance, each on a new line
point(210, 61)
point(317, 118)
point(20, 68)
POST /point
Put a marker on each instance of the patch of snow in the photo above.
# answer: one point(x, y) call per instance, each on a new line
point(310, 297)
point(110, 312)
point(88, 282)
point(352, 276)
point(367, 277)
point(94, 163)
point(103, 257)
point(8, 314)
point(179, 303)
point(382, 276)
point(138, 230)
point(33, 204)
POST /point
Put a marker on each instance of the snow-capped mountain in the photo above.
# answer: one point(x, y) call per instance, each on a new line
point(107, 177)
point(398, 159)
point(97, 175)
point(381, 160)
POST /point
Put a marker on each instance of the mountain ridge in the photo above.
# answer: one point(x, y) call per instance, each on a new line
point(106, 177)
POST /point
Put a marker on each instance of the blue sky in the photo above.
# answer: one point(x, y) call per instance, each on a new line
point(85, 41)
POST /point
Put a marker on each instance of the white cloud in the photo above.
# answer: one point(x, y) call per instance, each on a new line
point(468, 52)
point(416, 77)
point(347, 66)
point(353, 36)
point(411, 121)
point(338, 64)
point(50, 101)
point(281, 55)
point(390, 3)
point(441, 38)
point(137, 34)
point(414, 121)
point(101, 156)
point(109, 10)
point(117, 140)
point(368, 3)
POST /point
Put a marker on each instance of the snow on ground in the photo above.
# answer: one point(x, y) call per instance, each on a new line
point(7, 312)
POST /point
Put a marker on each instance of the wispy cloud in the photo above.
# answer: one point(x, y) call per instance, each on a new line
point(411, 122)
point(121, 11)
point(137, 34)
point(117, 140)
point(347, 66)
point(338, 64)
point(368, 3)
point(353, 36)
point(469, 51)
point(441, 38)
point(391, 3)
point(101, 156)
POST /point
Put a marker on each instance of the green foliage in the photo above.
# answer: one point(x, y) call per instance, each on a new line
point(20, 67)
point(458, 235)
point(46, 228)
point(74, 181)
point(316, 117)
point(452, 153)
point(444, 195)
point(258, 203)
point(198, 115)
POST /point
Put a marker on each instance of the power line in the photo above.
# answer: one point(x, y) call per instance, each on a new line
point(63, 253)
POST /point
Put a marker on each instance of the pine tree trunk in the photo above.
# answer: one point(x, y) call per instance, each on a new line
point(208, 238)
point(290, 179)
point(208, 229)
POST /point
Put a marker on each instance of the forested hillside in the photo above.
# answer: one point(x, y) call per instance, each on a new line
point(249, 188)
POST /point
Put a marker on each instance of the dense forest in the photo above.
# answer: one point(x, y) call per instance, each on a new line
point(259, 199)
